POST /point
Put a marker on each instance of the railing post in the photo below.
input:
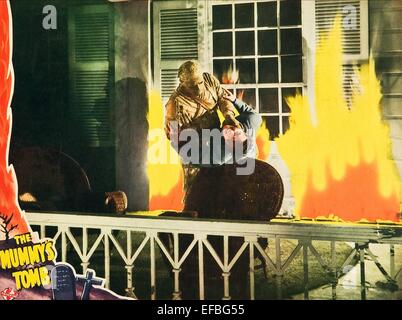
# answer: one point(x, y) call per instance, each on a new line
point(334, 270)
point(360, 247)
point(251, 241)
point(129, 267)
point(107, 258)
point(63, 230)
point(392, 261)
point(42, 231)
point(152, 236)
point(305, 268)
point(176, 270)
point(279, 271)
point(226, 294)
point(226, 272)
point(84, 265)
point(130, 289)
point(177, 293)
point(201, 238)
point(85, 262)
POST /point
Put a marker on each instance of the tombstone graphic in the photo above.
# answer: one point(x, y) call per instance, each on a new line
point(89, 280)
point(63, 282)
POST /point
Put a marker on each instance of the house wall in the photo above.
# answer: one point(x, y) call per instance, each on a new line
point(41, 98)
point(40, 60)
point(42, 115)
point(385, 43)
point(131, 104)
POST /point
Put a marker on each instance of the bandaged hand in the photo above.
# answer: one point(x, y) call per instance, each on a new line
point(231, 120)
point(228, 95)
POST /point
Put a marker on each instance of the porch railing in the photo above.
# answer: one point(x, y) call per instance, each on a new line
point(305, 233)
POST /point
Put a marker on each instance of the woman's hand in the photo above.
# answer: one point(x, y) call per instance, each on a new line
point(228, 95)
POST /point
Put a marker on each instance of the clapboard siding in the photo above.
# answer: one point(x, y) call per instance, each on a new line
point(385, 35)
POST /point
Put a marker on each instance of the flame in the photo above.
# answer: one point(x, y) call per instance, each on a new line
point(340, 164)
point(9, 206)
point(263, 143)
point(231, 76)
point(164, 171)
point(240, 94)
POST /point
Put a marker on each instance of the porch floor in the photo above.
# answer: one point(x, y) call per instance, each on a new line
point(349, 285)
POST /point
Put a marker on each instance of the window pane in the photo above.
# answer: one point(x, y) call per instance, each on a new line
point(285, 124)
point(245, 43)
point(244, 15)
point(288, 92)
point(246, 69)
point(222, 44)
point(268, 70)
point(290, 13)
point(221, 68)
point(269, 100)
point(291, 41)
point(292, 69)
point(247, 95)
point(267, 42)
point(222, 17)
point(272, 124)
point(231, 90)
point(267, 14)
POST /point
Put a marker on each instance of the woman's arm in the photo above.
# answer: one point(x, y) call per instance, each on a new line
point(248, 117)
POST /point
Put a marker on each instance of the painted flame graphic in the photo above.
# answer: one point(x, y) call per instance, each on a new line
point(9, 207)
point(263, 143)
point(165, 173)
point(340, 166)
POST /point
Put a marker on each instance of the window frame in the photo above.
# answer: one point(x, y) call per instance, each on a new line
point(277, 85)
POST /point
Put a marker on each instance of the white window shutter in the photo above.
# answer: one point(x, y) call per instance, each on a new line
point(355, 40)
point(176, 40)
point(179, 34)
point(91, 71)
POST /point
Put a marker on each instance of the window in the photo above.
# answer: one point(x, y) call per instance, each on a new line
point(257, 52)
point(92, 73)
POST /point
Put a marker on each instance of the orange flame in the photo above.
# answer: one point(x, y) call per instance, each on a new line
point(355, 197)
point(9, 206)
point(231, 76)
point(263, 143)
point(240, 94)
point(173, 200)
point(340, 166)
